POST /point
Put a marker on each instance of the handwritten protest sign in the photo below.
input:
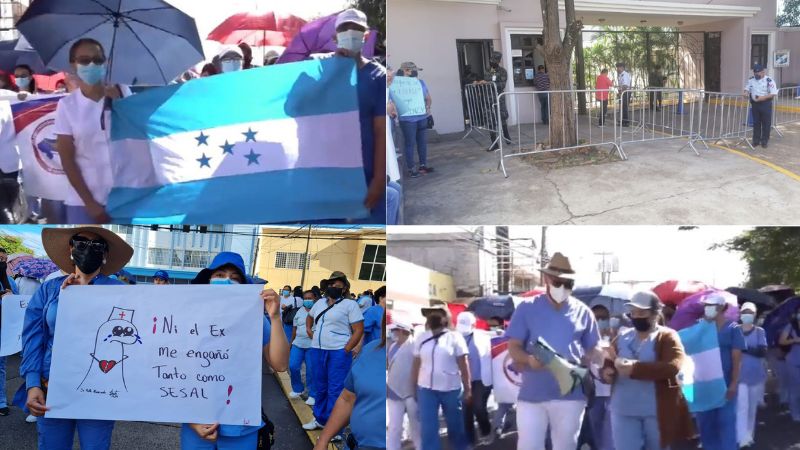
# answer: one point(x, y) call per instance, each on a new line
point(11, 328)
point(158, 353)
point(408, 96)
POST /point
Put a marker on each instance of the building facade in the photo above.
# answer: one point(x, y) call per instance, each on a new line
point(450, 38)
point(291, 256)
point(10, 12)
point(184, 251)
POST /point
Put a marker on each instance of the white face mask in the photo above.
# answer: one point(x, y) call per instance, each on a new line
point(710, 311)
point(352, 40)
point(234, 65)
point(561, 294)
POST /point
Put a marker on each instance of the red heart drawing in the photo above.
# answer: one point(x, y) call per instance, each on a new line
point(105, 365)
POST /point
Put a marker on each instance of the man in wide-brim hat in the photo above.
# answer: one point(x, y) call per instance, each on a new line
point(88, 255)
point(569, 327)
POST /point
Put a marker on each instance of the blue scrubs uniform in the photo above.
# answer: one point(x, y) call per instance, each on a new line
point(230, 437)
point(37, 344)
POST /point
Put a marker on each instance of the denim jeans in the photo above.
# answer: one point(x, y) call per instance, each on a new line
point(793, 381)
point(717, 427)
point(298, 356)
point(544, 108)
point(394, 197)
point(600, 419)
point(429, 402)
point(57, 434)
point(414, 132)
point(3, 399)
point(77, 215)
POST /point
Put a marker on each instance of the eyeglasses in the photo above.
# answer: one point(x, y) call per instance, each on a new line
point(569, 284)
point(81, 243)
point(85, 60)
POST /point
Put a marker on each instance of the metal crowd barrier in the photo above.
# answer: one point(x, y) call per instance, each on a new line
point(724, 117)
point(786, 107)
point(534, 138)
point(655, 114)
point(481, 101)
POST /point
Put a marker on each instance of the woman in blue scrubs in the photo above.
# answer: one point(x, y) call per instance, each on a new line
point(791, 337)
point(89, 255)
point(228, 268)
point(364, 397)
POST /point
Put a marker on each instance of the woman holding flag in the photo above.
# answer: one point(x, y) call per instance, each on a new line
point(89, 255)
point(228, 268)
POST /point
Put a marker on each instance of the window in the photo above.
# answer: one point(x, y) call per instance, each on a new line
point(194, 258)
point(158, 256)
point(373, 265)
point(122, 229)
point(759, 49)
point(524, 59)
point(291, 260)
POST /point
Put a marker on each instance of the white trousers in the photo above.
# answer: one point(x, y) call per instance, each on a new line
point(564, 418)
point(747, 400)
point(397, 410)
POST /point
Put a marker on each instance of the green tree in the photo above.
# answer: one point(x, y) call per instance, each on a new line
point(790, 16)
point(771, 254)
point(376, 15)
point(13, 244)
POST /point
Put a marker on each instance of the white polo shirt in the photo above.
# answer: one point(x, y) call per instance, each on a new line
point(301, 339)
point(762, 87)
point(438, 357)
point(79, 117)
point(333, 328)
point(624, 79)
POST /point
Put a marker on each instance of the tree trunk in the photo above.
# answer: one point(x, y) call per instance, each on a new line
point(557, 56)
point(580, 74)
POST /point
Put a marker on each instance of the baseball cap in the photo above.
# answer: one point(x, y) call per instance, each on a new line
point(351, 15)
point(748, 306)
point(465, 322)
point(757, 67)
point(714, 299)
point(161, 274)
point(644, 300)
point(408, 65)
point(401, 326)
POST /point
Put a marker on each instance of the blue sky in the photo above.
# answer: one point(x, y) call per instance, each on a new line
point(31, 236)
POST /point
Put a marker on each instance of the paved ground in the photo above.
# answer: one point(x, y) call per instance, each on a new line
point(15, 434)
point(774, 431)
point(656, 185)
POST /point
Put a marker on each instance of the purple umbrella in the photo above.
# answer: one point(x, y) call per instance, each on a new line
point(35, 268)
point(691, 309)
point(317, 37)
point(777, 319)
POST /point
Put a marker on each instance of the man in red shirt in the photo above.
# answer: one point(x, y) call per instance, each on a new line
point(603, 82)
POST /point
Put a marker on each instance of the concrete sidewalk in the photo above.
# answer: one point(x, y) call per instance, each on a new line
point(656, 185)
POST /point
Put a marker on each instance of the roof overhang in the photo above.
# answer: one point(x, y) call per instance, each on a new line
point(656, 13)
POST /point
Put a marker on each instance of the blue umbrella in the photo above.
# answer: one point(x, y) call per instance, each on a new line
point(146, 41)
point(11, 57)
point(611, 296)
point(501, 306)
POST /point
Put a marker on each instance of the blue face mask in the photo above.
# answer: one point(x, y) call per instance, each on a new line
point(602, 324)
point(365, 301)
point(614, 322)
point(91, 73)
point(748, 319)
point(223, 281)
point(23, 82)
point(308, 303)
point(285, 293)
point(231, 65)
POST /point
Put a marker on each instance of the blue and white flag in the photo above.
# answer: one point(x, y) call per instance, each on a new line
point(701, 376)
point(275, 144)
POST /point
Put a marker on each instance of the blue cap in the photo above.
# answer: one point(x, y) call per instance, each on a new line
point(161, 274)
point(757, 67)
point(222, 259)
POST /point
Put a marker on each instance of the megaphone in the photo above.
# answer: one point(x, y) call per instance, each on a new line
point(567, 375)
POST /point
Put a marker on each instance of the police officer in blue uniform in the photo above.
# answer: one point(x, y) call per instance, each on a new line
point(761, 89)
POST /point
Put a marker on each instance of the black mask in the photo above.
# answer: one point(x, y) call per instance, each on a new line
point(641, 324)
point(435, 322)
point(493, 65)
point(334, 292)
point(88, 260)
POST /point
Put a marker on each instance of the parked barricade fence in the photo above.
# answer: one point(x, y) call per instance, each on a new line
point(786, 107)
point(482, 101)
point(725, 117)
point(537, 138)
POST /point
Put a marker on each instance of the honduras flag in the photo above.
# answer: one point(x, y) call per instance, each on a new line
point(275, 144)
point(701, 376)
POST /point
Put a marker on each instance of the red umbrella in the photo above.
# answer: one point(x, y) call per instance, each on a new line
point(257, 30)
point(458, 308)
point(673, 292)
point(533, 293)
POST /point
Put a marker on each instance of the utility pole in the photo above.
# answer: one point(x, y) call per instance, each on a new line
point(543, 255)
point(306, 259)
point(503, 259)
point(605, 272)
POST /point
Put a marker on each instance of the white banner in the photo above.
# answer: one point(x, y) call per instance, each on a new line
point(506, 380)
point(34, 121)
point(186, 354)
point(11, 328)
